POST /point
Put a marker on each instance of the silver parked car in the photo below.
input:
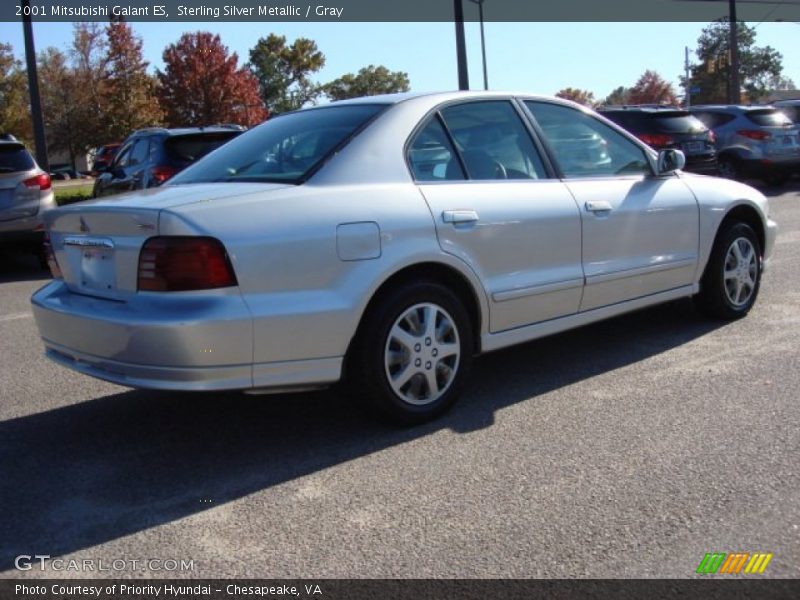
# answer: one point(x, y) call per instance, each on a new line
point(26, 192)
point(753, 141)
point(388, 240)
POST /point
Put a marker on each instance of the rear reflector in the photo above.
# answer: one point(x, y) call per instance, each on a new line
point(50, 257)
point(41, 181)
point(179, 264)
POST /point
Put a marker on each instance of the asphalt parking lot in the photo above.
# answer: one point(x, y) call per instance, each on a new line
point(629, 448)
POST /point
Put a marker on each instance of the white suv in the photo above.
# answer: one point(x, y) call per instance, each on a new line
point(26, 192)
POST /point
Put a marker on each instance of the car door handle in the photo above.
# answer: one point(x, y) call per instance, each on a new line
point(598, 206)
point(459, 216)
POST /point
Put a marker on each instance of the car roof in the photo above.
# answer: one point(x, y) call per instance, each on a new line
point(732, 107)
point(648, 109)
point(187, 130)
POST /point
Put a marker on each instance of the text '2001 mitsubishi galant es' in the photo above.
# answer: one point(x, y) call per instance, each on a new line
point(386, 241)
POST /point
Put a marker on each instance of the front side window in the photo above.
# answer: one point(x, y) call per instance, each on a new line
point(139, 152)
point(586, 147)
point(431, 155)
point(493, 141)
point(285, 149)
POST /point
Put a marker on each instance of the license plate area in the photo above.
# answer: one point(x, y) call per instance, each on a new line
point(97, 272)
point(694, 146)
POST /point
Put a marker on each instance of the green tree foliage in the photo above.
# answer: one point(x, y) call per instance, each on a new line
point(14, 101)
point(580, 96)
point(129, 92)
point(369, 81)
point(202, 84)
point(758, 67)
point(283, 72)
point(651, 88)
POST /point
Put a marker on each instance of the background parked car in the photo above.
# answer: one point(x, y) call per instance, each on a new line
point(753, 141)
point(103, 157)
point(25, 193)
point(668, 127)
point(151, 156)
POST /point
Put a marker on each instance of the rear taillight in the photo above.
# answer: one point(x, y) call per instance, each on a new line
point(50, 257)
point(178, 264)
point(656, 140)
point(754, 134)
point(161, 173)
point(41, 181)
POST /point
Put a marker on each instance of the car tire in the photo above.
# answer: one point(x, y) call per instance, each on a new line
point(732, 278)
point(729, 168)
point(412, 353)
point(776, 179)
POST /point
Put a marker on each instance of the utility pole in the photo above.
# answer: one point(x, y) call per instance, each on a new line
point(734, 95)
point(687, 86)
point(33, 88)
point(461, 46)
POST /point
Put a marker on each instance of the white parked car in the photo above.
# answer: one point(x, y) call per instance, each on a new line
point(388, 240)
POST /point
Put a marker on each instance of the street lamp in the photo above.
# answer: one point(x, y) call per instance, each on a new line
point(483, 42)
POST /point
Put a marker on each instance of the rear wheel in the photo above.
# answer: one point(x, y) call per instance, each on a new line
point(412, 353)
point(732, 277)
point(729, 168)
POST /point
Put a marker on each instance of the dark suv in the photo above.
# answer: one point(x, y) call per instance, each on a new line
point(151, 156)
point(668, 127)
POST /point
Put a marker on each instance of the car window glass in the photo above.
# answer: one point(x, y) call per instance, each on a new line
point(14, 157)
point(431, 156)
point(677, 122)
point(283, 149)
point(769, 118)
point(139, 152)
point(123, 156)
point(493, 141)
point(586, 147)
point(185, 149)
point(713, 119)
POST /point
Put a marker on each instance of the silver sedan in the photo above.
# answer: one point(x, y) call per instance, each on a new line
point(386, 241)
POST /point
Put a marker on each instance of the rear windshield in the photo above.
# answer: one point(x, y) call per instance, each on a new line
point(186, 149)
point(770, 117)
point(14, 157)
point(677, 122)
point(284, 149)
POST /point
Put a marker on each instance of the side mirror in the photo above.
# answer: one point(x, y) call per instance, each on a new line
point(669, 161)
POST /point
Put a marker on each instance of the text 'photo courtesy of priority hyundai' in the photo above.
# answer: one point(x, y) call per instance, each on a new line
point(385, 242)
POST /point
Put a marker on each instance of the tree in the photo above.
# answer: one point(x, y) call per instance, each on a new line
point(651, 88)
point(202, 84)
point(369, 81)
point(63, 105)
point(580, 96)
point(618, 96)
point(14, 102)
point(88, 56)
point(283, 72)
point(129, 91)
point(757, 66)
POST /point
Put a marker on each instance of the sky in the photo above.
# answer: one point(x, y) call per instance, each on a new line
point(532, 57)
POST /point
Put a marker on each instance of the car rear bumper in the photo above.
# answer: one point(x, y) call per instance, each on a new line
point(703, 165)
point(188, 341)
point(771, 165)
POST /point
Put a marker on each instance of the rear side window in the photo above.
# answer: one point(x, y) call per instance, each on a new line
point(14, 157)
point(185, 149)
point(431, 156)
point(493, 141)
point(792, 112)
point(768, 118)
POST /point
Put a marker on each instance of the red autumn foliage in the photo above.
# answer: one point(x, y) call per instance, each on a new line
point(202, 84)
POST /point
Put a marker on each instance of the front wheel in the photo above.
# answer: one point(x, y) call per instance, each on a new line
point(730, 284)
point(412, 353)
